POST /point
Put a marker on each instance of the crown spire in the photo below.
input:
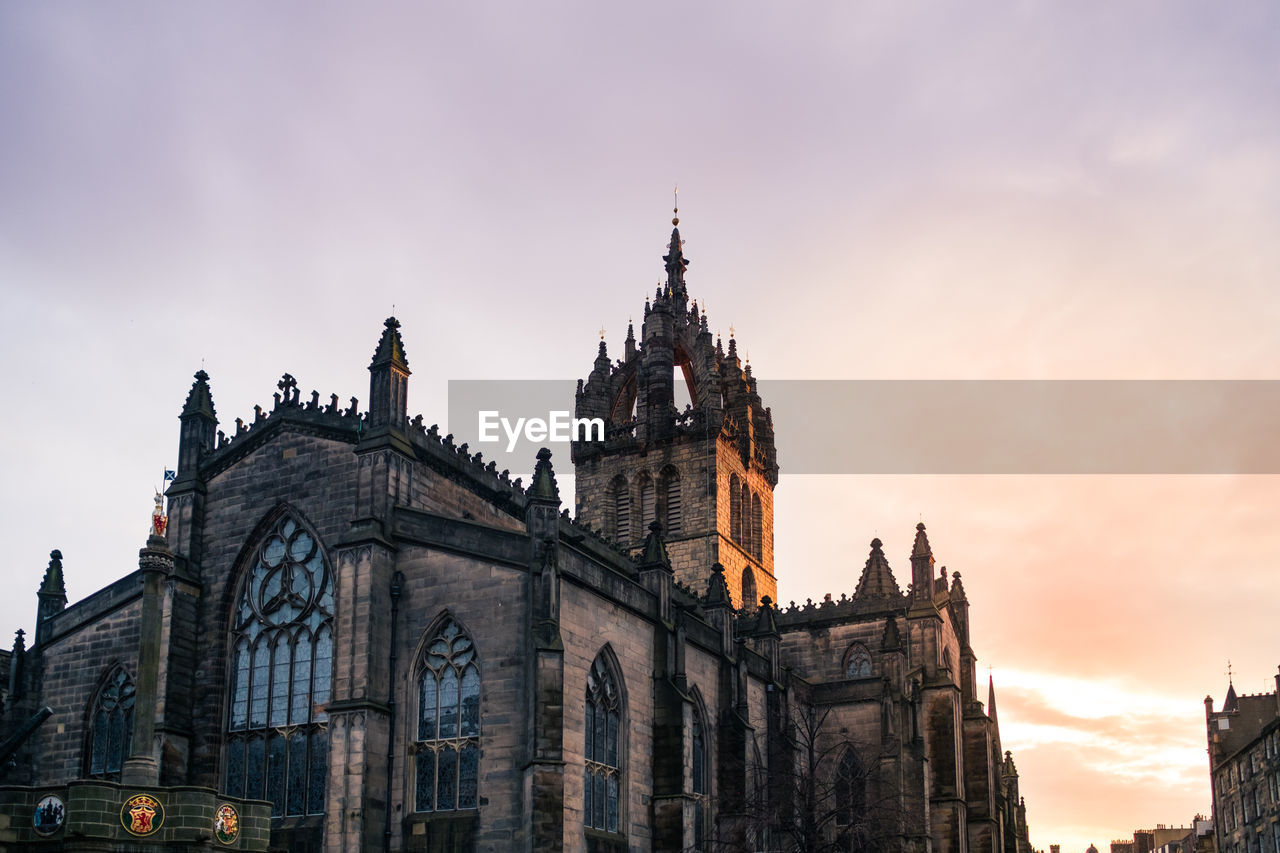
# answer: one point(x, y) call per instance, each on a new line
point(676, 263)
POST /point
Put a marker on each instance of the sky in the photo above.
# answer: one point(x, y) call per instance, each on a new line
point(1006, 190)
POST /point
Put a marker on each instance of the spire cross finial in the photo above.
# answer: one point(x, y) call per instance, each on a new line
point(1228, 670)
point(675, 210)
point(732, 333)
point(602, 333)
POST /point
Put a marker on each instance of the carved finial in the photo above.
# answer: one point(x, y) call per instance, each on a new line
point(675, 210)
point(602, 333)
point(159, 521)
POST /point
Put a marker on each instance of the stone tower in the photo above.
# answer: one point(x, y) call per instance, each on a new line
point(706, 473)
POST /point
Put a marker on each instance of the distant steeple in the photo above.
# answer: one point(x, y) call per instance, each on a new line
point(991, 699)
point(1232, 703)
point(877, 579)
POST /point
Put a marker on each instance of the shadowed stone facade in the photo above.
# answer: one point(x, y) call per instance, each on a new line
point(373, 640)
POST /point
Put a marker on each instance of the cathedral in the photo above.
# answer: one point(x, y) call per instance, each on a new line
point(346, 632)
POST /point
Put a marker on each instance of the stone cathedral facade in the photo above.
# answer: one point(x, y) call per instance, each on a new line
point(354, 634)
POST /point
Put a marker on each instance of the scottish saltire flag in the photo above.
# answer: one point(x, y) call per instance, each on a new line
point(170, 474)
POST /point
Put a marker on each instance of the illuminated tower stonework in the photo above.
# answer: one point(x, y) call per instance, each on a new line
point(705, 470)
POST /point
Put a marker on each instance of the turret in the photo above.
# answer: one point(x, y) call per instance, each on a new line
point(199, 427)
point(389, 380)
point(921, 566)
point(52, 596)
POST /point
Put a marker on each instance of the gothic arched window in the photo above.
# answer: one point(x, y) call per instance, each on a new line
point(757, 531)
point(671, 494)
point(621, 511)
point(282, 673)
point(448, 744)
point(749, 595)
point(735, 508)
point(850, 790)
point(110, 725)
point(602, 780)
point(859, 662)
point(701, 771)
point(744, 535)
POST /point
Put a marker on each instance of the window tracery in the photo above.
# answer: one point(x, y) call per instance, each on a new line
point(447, 749)
point(111, 725)
point(282, 672)
point(603, 771)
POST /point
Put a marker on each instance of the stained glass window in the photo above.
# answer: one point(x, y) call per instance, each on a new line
point(281, 674)
point(447, 749)
point(602, 779)
point(111, 725)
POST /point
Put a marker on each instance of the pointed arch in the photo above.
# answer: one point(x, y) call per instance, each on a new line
point(857, 662)
point(281, 649)
point(735, 508)
point(700, 760)
point(109, 723)
point(648, 506)
point(604, 772)
point(672, 509)
point(850, 788)
point(447, 746)
point(750, 596)
point(757, 525)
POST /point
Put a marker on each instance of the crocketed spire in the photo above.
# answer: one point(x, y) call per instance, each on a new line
point(655, 549)
point(53, 583)
point(766, 622)
point(676, 264)
point(544, 485)
point(877, 579)
point(717, 588)
point(391, 347)
point(200, 398)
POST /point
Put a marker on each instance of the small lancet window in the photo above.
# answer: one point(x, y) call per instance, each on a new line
point(111, 725)
point(447, 749)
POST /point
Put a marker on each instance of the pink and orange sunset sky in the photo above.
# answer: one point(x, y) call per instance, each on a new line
point(1006, 190)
